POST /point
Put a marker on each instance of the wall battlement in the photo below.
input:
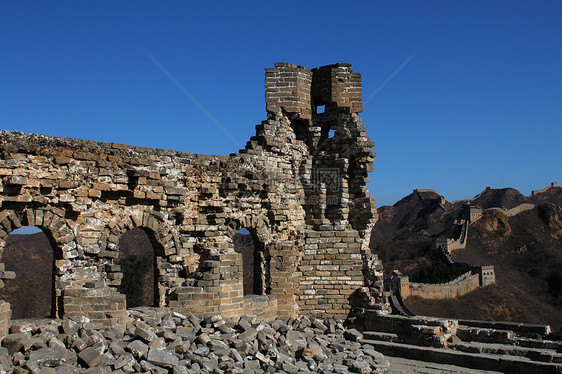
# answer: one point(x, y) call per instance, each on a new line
point(299, 187)
point(299, 91)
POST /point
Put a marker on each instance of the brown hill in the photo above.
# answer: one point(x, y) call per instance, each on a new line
point(405, 232)
point(502, 198)
point(551, 195)
point(526, 250)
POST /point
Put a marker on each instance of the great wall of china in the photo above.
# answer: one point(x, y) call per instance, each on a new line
point(476, 276)
point(299, 187)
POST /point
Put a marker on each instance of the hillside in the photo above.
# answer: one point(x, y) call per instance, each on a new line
point(526, 250)
point(405, 232)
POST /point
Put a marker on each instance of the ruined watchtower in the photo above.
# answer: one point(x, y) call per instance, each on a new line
point(299, 187)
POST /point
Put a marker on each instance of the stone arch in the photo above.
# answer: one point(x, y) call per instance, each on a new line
point(62, 239)
point(164, 240)
point(161, 234)
point(258, 223)
point(261, 238)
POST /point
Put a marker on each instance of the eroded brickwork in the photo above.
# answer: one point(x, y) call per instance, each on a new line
point(299, 186)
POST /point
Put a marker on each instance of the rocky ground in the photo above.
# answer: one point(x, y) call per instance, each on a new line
point(159, 341)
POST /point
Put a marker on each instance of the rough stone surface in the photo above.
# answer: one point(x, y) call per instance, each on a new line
point(295, 345)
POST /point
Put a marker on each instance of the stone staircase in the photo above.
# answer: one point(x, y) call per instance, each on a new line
point(483, 345)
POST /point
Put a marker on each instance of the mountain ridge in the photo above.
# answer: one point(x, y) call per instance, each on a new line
point(524, 245)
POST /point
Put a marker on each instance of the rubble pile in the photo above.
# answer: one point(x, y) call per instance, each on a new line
point(160, 341)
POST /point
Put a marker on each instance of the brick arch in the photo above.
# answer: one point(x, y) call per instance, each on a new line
point(162, 235)
point(59, 233)
point(258, 223)
point(164, 240)
point(50, 220)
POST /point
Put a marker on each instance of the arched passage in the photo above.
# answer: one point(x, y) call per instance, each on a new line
point(151, 264)
point(37, 270)
point(138, 265)
point(31, 294)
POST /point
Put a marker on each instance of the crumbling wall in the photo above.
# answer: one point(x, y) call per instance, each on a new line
point(299, 184)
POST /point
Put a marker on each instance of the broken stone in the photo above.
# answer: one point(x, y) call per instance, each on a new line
point(51, 357)
point(162, 358)
point(138, 348)
point(145, 334)
point(353, 335)
point(90, 356)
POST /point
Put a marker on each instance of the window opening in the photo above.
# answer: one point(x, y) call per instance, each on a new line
point(255, 265)
point(244, 244)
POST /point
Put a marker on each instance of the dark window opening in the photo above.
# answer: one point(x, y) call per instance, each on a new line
point(255, 265)
point(300, 127)
point(138, 265)
point(28, 253)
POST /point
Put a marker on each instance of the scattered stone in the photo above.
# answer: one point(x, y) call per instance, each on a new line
point(90, 356)
point(51, 357)
point(353, 335)
point(162, 358)
point(145, 334)
point(138, 348)
point(159, 342)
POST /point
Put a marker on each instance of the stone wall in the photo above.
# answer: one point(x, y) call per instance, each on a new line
point(552, 185)
point(299, 185)
point(457, 287)
point(515, 210)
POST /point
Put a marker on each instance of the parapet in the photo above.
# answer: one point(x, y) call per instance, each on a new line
point(337, 85)
point(552, 185)
point(300, 91)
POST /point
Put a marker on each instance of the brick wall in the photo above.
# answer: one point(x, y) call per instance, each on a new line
point(288, 88)
point(460, 286)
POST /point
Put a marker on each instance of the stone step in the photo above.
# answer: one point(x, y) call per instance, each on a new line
point(382, 336)
point(500, 336)
point(481, 361)
point(400, 365)
point(522, 329)
point(534, 354)
point(539, 343)
point(531, 348)
point(486, 335)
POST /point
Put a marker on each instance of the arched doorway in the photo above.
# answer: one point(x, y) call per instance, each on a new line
point(138, 265)
point(29, 254)
point(255, 264)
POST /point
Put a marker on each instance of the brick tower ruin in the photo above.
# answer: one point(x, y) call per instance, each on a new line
point(299, 187)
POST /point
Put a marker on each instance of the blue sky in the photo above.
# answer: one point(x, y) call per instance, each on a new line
point(468, 93)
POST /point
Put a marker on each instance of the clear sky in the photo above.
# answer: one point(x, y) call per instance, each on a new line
point(462, 94)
